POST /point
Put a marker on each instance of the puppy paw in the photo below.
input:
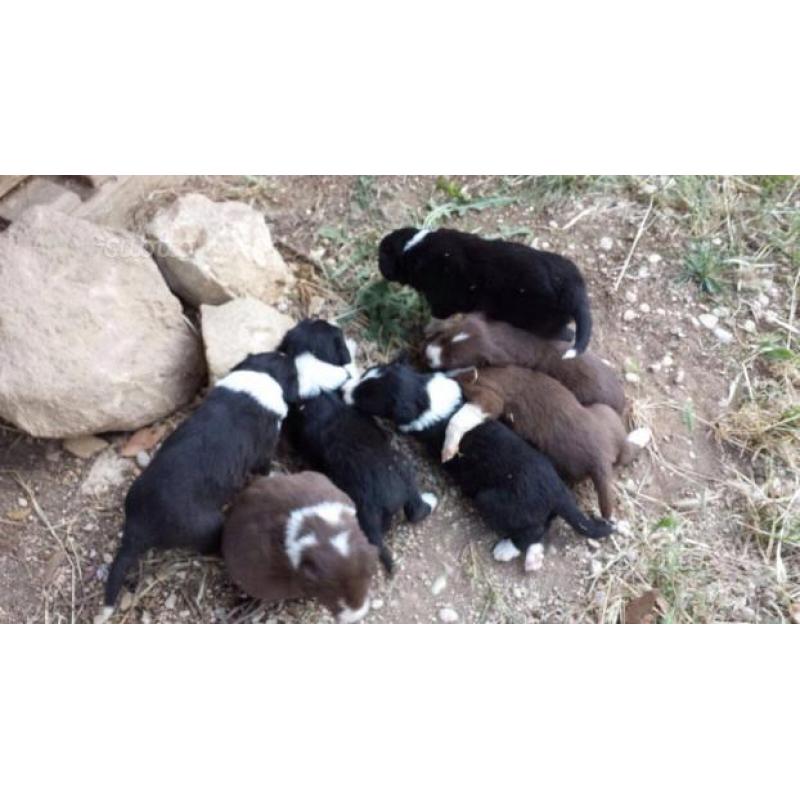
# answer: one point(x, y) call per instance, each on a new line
point(571, 353)
point(640, 437)
point(104, 615)
point(505, 550)
point(430, 500)
point(534, 558)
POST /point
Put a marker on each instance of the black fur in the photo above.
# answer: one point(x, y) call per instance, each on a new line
point(460, 272)
point(318, 337)
point(348, 446)
point(513, 485)
point(178, 500)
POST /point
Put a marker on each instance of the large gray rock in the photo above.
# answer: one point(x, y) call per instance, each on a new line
point(238, 328)
point(212, 252)
point(91, 338)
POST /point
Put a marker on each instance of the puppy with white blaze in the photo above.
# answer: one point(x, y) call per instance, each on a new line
point(296, 536)
point(535, 290)
point(515, 487)
point(178, 500)
point(348, 446)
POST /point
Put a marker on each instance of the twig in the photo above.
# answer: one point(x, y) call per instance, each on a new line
point(578, 216)
point(633, 246)
point(792, 311)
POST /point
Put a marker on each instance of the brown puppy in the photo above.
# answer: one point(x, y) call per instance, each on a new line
point(581, 441)
point(474, 341)
point(292, 536)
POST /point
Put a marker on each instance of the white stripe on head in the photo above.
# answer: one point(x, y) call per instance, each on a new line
point(460, 337)
point(467, 417)
point(263, 388)
point(352, 614)
point(416, 239)
point(505, 550)
point(433, 352)
point(315, 376)
point(329, 511)
point(444, 397)
point(341, 543)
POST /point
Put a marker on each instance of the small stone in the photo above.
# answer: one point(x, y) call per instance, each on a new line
point(107, 558)
point(679, 376)
point(448, 615)
point(725, 336)
point(606, 243)
point(126, 601)
point(749, 326)
point(439, 585)
point(722, 312)
point(623, 527)
point(84, 446)
point(170, 602)
point(108, 472)
point(630, 296)
point(654, 258)
point(143, 459)
point(377, 603)
point(655, 367)
point(708, 321)
point(629, 315)
point(644, 308)
point(597, 567)
point(667, 361)
point(631, 377)
point(22, 502)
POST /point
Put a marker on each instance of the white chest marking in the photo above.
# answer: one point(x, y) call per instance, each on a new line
point(315, 376)
point(263, 388)
point(352, 614)
point(444, 397)
point(415, 239)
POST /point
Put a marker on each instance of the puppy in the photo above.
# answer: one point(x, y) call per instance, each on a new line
point(296, 536)
point(456, 271)
point(177, 501)
point(348, 446)
point(474, 341)
point(515, 487)
point(581, 441)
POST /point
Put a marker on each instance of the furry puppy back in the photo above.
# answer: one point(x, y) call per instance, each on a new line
point(459, 272)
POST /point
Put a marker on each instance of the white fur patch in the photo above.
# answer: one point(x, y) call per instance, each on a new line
point(352, 348)
point(505, 550)
point(263, 388)
point(467, 417)
point(571, 353)
point(460, 337)
point(347, 614)
point(341, 543)
point(295, 543)
point(640, 437)
point(534, 558)
point(444, 397)
point(430, 500)
point(415, 239)
point(104, 615)
point(315, 376)
point(433, 352)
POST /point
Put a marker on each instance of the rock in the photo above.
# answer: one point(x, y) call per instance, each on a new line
point(629, 315)
point(726, 337)
point(679, 376)
point(708, 321)
point(606, 243)
point(212, 252)
point(92, 340)
point(125, 601)
point(84, 446)
point(377, 604)
point(439, 585)
point(749, 326)
point(38, 191)
point(631, 377)
point(237, 328)
point(448, 615)
point(667, 361)
point(644, 308)
point(630, 296)
point(170, 602)
point(143, 459)
point(108, 472)
point(654, 258)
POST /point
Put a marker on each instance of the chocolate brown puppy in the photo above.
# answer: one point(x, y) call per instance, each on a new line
point(475, 341)
point(581, 441)
point(297, 536)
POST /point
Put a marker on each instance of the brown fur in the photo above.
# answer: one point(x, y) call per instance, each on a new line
point(499, 344)
point(254, 544)
point(581, 441)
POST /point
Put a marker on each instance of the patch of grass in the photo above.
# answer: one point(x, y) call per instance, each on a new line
point(442, 212)
point(688, 415)
point(395, 315)
point(704, 266)
point(365, 192)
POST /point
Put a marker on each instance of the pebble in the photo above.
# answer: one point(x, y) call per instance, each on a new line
point(726, 337)
point(749, 326)
point(377, 603)
point(630, 296)
point(439, 585)
point(143, 459)
point(629, 315)
point(679, 376)
point(644, 308)
point(107, 558)
point(22, 502)
point(667, 361)
point(631, 377)
point(126, 601)
point(624, 527)
point(708, 321)
point(606, 243)
point(169, 603)
point(654, 258)
point(448, 615)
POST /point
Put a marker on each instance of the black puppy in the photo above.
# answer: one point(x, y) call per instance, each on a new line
point(459, 272)
point(514, 486)
point(177, 501)
point(346, 444)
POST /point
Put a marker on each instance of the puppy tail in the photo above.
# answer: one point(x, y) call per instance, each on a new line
point(585, 526)
point(583, 324)
point(126, 558)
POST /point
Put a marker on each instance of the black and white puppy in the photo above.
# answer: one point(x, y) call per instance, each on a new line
point(459, 272)
point(346, 444)
point(513, 485)
point(178, 500)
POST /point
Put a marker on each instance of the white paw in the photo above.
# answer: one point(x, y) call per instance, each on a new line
point(640, 437)
point(571, 353)
point(430, 500)
point(104, 615)
point(534, 558)
point(505, 550)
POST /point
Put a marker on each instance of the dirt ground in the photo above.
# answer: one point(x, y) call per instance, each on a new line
point(685, 535)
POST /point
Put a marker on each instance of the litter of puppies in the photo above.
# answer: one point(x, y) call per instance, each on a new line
point(513, 408)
